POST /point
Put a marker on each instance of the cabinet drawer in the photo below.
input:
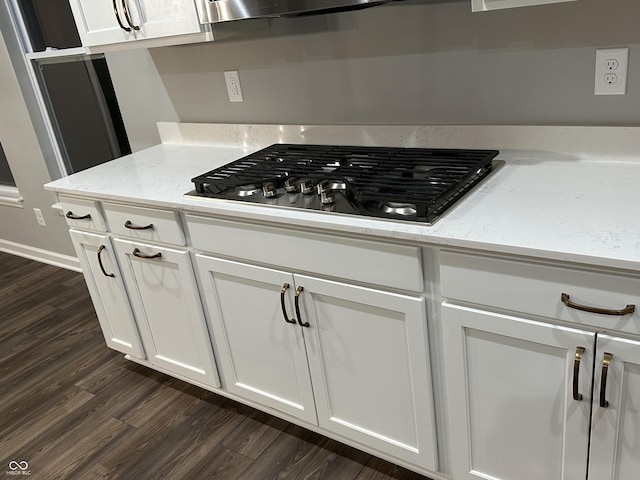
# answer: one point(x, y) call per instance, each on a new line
point(537, 289)
point(144, 223)
point(378, 263)
point(83, 213)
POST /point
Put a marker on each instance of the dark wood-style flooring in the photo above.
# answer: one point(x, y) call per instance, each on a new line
point(74, 409)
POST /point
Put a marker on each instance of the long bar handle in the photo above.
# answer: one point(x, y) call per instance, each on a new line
point(126, 15)
point(603, 382)
point(70, 215)
point(131, 226)
point(576, 373)
point(299, 290)
point(284, 288)
point(136, 252)
point(102, 247)
point(604, 311)
point(115, 10)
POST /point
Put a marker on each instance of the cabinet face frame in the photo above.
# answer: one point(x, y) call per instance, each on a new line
point(462, 325)
point(108, 293)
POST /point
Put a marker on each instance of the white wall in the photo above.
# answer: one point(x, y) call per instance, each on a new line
point(413, 62)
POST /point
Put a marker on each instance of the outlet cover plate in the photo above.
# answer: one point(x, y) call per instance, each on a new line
point(611, 63)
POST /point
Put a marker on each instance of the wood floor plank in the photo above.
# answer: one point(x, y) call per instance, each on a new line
point(287, 456)
point(24, 428)
point(335, 461)
point(221, 463)
point(255, 434)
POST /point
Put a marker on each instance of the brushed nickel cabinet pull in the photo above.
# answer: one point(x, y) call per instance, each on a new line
point(131, 226)
point(603, 382)
point(299, 290)
point(604, 311)
point(127, 17)
point(115, 10)
point(136, 252)
point(576, 371)
point(70, 215)
point(102, 247)
point(284, 288)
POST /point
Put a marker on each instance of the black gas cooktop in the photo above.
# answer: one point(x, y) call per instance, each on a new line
point(415, 184)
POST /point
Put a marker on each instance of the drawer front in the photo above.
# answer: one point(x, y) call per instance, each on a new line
point(147, 224)
point(83, 213)
point(377, 263)
point(537, 289)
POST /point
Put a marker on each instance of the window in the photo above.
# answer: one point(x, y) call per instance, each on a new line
point(8, 192)
point(6, 178)
point(73, 97)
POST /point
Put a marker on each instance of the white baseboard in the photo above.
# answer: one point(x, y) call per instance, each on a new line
point(40, 255)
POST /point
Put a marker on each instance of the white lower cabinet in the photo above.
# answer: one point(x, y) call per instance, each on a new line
point(350, 359)
point(107, 290)
point(521, 400)
point(166, 303)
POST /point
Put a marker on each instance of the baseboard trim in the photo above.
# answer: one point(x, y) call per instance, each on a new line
point(40, 255)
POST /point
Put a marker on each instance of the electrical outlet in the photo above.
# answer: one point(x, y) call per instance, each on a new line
point(611, 71)
point(39, 217)
point(234, 90)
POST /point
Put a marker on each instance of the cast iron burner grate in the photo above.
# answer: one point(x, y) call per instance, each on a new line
point(406, 183)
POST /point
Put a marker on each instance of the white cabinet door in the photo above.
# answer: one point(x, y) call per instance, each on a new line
point(104, 281)
point(370, 369)
point(510, 383)
point(163, 18)
point(103, 22)
point(262, 357)
point(615, 427)
point(166, 302)
point(97, 22)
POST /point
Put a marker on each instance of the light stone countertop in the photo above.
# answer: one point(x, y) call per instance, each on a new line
point(571, 208)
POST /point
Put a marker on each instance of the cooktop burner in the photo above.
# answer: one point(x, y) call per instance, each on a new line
point(416, 184)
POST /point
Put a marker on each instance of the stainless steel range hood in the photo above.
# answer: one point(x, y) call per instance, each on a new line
point(215, 11)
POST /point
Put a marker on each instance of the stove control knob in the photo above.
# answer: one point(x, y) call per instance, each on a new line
point(306, 186)
point(327, 198)
point(269, 190)
point(291, 185)
point(322, 186)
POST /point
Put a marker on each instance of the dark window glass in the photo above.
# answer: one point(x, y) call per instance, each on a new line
point(6, 178)
point(49, 24)
point(84, 110)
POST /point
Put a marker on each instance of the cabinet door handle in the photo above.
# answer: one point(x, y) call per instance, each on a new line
point(131, 226)
point(297, 305)
point(70, 215)
point(576, 373)
point(136, 252)
point(604, 311)
point(126, 15)
point(603, 382)
point(115, 10)
point(284, 288)
point(102, 247)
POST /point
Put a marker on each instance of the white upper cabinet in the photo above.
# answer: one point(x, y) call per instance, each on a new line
point(483, 5)
point(108, 22)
